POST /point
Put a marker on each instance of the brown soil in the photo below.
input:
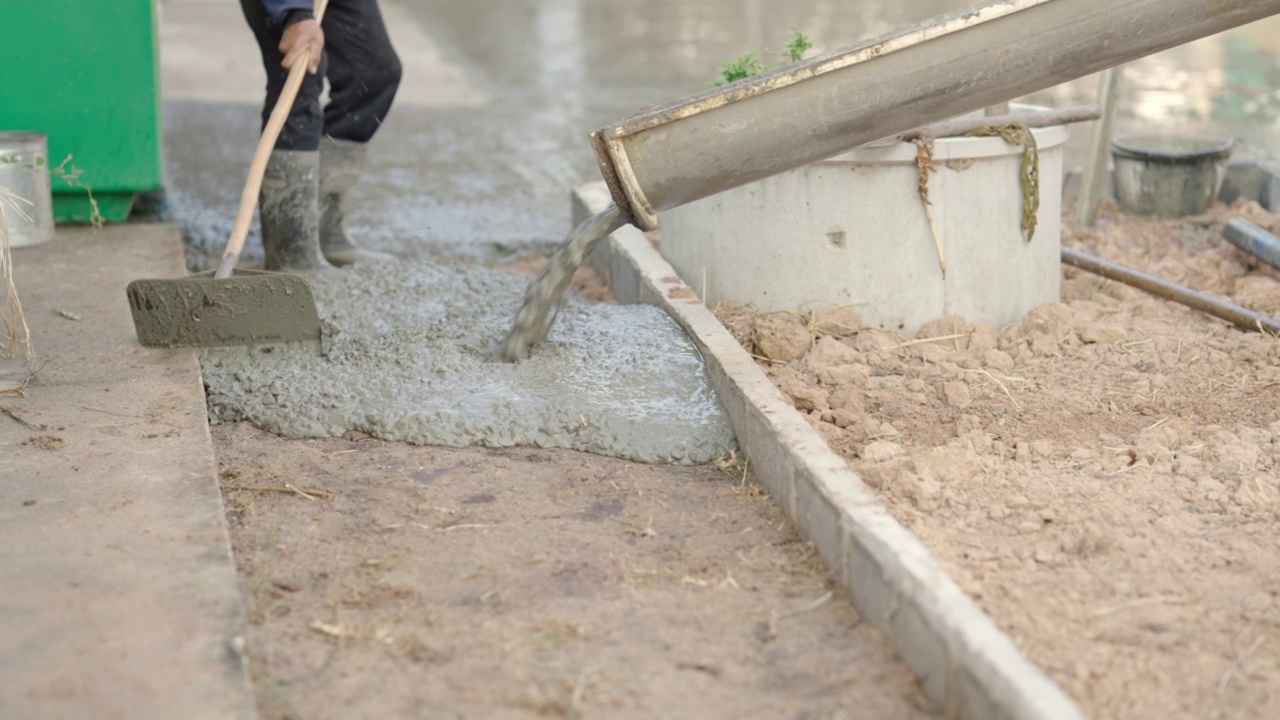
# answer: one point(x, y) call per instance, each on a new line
point(388, 581)
point(1101, 476)
point(47, 442)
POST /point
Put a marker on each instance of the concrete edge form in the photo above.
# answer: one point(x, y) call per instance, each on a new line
point(119, 596)
point(966, 665)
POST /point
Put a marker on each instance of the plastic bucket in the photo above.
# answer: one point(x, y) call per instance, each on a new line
point(24, 175)
point(1170, 175)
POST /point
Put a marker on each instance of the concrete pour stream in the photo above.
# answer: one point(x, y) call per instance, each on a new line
point(409, 358)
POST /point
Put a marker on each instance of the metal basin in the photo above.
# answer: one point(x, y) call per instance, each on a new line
point(25, 195)
point(1170, 175)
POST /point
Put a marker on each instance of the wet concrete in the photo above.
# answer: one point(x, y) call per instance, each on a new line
point(410, 356)
point(250, 306)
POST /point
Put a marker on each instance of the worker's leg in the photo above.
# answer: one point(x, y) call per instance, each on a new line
point(363, 71)
point(289, 202)
point(363, 74)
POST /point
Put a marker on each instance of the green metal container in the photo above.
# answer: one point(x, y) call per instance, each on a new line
point(89, 79)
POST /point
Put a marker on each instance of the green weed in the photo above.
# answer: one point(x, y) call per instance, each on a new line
point(753, 63)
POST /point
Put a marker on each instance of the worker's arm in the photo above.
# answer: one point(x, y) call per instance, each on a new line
point(301, 31)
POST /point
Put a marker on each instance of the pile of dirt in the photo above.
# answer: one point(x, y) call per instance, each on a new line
point(1101, 476)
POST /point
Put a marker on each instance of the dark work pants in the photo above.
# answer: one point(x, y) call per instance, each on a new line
point(359, 62)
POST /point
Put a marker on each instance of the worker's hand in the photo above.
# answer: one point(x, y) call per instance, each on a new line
point(297, 38)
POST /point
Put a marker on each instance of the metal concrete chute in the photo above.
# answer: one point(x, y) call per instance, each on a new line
point(953, 64)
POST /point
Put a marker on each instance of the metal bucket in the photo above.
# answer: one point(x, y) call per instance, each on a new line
point(1170, 175)
point(24, 179)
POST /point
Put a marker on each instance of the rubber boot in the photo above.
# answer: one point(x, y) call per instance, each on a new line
point(288, 208)
point(341, 163)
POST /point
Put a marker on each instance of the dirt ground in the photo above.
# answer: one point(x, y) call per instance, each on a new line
point(388, 580)
point(1103, 476)
point(472, 583)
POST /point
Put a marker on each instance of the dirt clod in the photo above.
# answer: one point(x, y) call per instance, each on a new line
point(47, 442)
point(781, 337)
point(837, 322)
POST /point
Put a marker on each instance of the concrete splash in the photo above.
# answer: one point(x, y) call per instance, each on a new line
point(410, 356)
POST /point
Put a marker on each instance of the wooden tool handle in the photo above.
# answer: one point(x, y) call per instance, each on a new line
point(258, 167)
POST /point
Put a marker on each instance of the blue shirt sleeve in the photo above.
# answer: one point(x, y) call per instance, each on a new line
point(277, 9)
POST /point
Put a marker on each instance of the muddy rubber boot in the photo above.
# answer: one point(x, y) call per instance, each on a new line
point(288, 208)
point(341, 163)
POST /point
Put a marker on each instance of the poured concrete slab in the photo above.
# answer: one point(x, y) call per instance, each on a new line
point(118, 596)
point(410, 355)
point(967, 667)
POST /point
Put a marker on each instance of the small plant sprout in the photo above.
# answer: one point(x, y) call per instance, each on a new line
point(741, 68)
point(797, 45)
point(753, 63)
point(69, 173)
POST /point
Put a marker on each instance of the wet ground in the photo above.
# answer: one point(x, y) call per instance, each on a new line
point(490, 132)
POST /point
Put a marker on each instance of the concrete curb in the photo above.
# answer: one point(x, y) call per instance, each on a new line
point(966, 665)
point(118, 593)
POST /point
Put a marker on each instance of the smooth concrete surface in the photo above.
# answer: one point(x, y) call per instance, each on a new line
point(118, 595)
point(853, 231)
point(967, 667)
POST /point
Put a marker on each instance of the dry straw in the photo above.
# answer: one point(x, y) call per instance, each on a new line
point(15, 336)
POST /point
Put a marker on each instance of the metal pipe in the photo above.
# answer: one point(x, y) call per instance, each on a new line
point(1253, 240)
point(1243, 318)
point(954, 64)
